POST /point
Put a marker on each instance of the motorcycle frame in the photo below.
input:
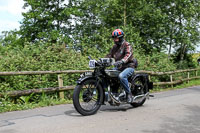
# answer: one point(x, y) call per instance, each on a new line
point(101, 78)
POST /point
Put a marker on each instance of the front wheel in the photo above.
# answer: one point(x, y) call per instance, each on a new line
point(87, 97)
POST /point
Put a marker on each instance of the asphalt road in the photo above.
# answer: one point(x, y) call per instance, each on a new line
point(176, 111)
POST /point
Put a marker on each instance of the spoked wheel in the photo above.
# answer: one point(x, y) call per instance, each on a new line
point(139, 86)
point(87, 97)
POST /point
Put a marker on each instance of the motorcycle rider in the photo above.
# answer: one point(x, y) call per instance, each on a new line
point(123, 54)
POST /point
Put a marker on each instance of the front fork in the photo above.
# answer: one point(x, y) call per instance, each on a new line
point(99, 82)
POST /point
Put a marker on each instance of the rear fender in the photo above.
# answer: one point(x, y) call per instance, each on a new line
point(145, 79)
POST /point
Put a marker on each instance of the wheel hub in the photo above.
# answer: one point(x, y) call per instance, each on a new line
point(87, 96)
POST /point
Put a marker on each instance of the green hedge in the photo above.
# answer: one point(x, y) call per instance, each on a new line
point(39, 58)
point(58, 57)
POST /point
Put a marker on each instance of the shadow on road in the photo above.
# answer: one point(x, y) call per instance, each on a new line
point(73, 113)
point(104, 108)
point(107, 108)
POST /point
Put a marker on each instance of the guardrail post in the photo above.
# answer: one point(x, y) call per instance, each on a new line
point(60, 83)
point(188, 77)
point(171, 79)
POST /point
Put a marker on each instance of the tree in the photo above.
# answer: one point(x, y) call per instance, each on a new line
point(46, 20)
point(85, 25)
point(187, 23)
point(10, 39)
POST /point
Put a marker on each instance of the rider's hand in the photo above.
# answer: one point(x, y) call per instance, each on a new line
point(118, 63)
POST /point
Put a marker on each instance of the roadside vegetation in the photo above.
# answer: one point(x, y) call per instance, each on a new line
point(180, 86)
point(60, 36)
point(25, 102)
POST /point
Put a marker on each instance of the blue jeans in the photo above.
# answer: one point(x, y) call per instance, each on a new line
point(123, 77)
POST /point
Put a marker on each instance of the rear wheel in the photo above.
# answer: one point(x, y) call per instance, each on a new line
point(87, 97)
point(139, 89)
point(137, 104)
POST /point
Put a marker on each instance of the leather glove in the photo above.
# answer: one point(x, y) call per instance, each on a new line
point(118, 63)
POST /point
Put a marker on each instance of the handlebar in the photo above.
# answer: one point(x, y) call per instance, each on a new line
point(102, 62)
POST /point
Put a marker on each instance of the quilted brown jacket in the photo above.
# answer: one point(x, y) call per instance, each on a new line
point(123, 53)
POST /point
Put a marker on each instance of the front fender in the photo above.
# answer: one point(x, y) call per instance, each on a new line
point(82, 79)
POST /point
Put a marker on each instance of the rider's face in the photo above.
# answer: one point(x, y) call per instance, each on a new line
point(116, 39)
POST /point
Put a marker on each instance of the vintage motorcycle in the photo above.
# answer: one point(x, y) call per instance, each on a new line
point(102, 85)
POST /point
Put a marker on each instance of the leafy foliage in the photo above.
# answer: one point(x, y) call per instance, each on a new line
point(45, 20)
point(59, 35)
point(39, 58)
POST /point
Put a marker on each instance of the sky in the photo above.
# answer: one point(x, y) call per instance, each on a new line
point(11, 15)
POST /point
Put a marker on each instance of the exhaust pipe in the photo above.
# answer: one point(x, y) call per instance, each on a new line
point(141, 97)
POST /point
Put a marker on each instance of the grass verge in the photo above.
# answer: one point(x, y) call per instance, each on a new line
point(30, 102)
point(183, 85)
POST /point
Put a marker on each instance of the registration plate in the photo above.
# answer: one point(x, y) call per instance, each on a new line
point(86, 74)
point(92, 63)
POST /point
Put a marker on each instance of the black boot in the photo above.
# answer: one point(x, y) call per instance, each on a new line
point(129, 98)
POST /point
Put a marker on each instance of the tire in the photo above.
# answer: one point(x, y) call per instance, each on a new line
point(139, 103)
point(84, 94)
point(139, 82)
